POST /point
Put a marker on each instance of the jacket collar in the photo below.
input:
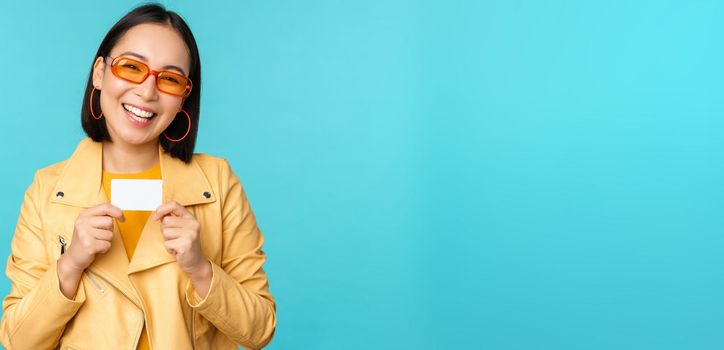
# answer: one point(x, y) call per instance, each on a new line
point(79, 185)
point(80, 182)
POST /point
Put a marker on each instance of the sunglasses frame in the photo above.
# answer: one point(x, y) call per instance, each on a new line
point(150, 71)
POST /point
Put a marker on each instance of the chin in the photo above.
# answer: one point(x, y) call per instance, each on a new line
point(133, 138)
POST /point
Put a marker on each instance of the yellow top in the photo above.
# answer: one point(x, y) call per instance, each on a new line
point(133, 226)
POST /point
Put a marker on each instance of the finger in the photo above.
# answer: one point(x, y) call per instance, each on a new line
point(179, 245)
point(101, 222)
point(172, 233)
point(102, 235)
point(170, 247)
point(105, 209)
point(170, 207)
point(173, 221)
point(102, 209)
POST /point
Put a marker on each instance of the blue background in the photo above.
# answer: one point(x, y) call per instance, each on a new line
point(451, 174)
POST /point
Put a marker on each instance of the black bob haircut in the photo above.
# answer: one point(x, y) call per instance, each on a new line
point(150, 13)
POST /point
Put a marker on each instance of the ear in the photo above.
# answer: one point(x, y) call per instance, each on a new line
point(99, 68)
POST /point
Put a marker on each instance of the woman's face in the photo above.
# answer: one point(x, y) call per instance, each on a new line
point(161, 48)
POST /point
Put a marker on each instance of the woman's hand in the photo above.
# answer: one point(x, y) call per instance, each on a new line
point(92, 234)
point(181, 231)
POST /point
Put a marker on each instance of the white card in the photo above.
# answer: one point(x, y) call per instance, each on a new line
point(129, 194)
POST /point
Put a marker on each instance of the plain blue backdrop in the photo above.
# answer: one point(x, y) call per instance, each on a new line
point(438, 175)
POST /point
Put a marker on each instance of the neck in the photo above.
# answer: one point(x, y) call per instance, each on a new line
point(123, 158)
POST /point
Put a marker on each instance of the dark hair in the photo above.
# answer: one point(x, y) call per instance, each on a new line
point(150, 13)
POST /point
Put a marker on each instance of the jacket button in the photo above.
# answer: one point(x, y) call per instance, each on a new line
point(207, 194)
point(59, 195)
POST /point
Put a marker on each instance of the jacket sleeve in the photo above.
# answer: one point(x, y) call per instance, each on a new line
point(36, 311)
point(238, 302)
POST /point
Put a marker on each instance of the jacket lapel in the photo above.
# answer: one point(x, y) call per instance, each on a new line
point(80, 185)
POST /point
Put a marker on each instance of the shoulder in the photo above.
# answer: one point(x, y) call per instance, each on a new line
point(44, 182)
point(221, 177)
point(50, 174)
point(209, 163)
point(216, 169)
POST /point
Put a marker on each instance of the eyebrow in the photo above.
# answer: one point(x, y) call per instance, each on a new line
point(144, 59)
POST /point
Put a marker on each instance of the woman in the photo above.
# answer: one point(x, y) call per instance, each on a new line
point(87, 275)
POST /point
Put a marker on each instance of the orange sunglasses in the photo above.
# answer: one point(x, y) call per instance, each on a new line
point(136, 71)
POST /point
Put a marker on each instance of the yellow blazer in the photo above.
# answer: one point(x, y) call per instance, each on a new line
point(115, 294)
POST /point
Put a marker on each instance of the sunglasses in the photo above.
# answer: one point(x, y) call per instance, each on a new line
point(136, 71)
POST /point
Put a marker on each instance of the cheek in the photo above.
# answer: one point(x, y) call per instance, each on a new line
point(111, 92)
point(171, 106)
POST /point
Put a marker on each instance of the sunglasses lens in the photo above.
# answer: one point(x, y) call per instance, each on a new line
point(129, 69)
point(172, 83)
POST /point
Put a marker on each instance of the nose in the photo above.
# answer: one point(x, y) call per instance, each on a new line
point(147, 88)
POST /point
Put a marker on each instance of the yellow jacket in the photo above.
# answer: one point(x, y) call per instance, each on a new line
point(115, 294)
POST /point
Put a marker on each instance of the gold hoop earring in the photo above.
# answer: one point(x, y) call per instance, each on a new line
point(188, 130)
point(91, 105)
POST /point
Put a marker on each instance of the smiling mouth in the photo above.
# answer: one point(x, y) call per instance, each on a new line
point(139, 114)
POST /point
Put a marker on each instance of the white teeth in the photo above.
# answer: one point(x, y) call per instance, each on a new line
point(139, 113)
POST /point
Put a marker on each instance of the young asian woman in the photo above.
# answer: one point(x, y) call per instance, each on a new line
point(189, 275)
